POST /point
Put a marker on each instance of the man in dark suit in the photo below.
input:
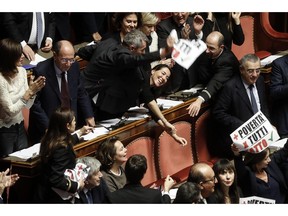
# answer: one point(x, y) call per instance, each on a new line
point(114, 78)
point(214, 68)
point(187, 27)
point(233, 106)
point(22, 27)
point(203, 175)
point(279, 93)
point(95, 189)
point(133, 191)
point(49, 98)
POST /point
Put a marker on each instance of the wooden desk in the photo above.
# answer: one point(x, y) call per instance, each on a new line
point(22, 191)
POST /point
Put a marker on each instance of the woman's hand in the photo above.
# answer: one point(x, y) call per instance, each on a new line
point(171, 130)
point(235, 149)
point(36, 85)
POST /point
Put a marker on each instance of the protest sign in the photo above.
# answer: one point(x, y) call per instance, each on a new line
point(185, 52)
point(80, 171)
point(254, 135)
point(255, 200)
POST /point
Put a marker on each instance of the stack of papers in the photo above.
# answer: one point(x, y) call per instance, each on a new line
point(193, 90)
point(25, 154)
point(166, 104)
point(269, 60)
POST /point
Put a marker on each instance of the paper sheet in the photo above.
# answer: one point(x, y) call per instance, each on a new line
point(98, 131)
point(269, 59)
point(27, 153)
point(38, 58)
point(166, 104)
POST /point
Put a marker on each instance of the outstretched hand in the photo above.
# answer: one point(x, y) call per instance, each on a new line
point(171, 130)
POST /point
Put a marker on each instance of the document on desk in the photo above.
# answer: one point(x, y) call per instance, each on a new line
point(193, 90)
point(166, 104)
point(109, 122)
point(38, 58)
point(269, 60)
point(25, 154)
point(98, 131)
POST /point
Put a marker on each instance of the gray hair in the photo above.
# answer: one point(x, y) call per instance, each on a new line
point(91, 162)
point(135, 38)
point(248, 57)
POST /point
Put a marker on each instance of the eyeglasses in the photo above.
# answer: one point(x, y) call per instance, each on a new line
point(250, 71)
point(66, 60)
point(212, 180)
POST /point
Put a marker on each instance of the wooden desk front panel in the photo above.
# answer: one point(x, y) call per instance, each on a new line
point(30, 171)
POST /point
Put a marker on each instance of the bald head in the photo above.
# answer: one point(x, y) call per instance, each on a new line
point(215, 44)
point(63, 46)
point(63, 53)
point(203, 175)
point(198, 171)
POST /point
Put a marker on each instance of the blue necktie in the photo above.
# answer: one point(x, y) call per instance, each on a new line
point(253, 100)
point(39, 32)
point(89, 197)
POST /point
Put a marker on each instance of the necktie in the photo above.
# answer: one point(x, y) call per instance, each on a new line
point(64, 92)
point(253, 101)
point(39, 32)
point(89, 197)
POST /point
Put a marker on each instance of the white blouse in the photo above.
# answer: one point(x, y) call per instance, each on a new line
point(11, 92)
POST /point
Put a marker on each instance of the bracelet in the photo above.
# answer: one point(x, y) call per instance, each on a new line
point(68, 184)
point(23, 100)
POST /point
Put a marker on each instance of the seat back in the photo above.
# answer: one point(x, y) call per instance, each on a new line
point(247, 23)
point(201, 135)
point(172, 157)
point(144, 146)
point(269, 30)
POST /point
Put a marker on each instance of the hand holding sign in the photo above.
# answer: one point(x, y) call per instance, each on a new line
point(185, 52)
point(255, 135)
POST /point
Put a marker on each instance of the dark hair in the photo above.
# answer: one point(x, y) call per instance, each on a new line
point(106, 153)
point(120, 16)
point(135, 168)
point(160, 66)
point(189, 192)
point(220, 167)
point(57, 133)
point(10, 53)
point(251, 159)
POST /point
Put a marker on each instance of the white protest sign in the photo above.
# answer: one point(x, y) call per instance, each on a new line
point(255, 200)
point(80, 171)
point(185, 52)
point(255, 135)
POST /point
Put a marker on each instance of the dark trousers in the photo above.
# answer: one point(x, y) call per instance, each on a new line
point(12, 139)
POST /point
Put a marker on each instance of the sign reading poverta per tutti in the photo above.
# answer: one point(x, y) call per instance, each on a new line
point(255, 135)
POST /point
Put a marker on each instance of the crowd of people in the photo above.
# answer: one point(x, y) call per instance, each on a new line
point(130, 64)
